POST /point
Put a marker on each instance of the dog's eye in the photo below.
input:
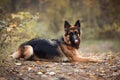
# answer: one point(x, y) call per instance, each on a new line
point(76, 32)
point(70, 33)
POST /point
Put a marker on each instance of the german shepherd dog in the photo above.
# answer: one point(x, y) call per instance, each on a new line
point(65, 48)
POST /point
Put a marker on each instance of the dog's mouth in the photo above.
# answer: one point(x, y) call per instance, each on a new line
point(75, 42)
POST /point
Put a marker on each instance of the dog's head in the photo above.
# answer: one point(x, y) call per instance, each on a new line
point(72, 34)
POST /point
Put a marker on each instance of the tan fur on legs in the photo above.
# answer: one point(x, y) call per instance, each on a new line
point(28, 51)
point(17, 54)
point(23, 52)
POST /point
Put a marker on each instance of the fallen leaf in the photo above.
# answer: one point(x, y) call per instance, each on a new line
point(91, 75)
point(51, 73)
point(39, 73)
point(38, 62)
point(18, 64)
point(43, 71)
point(29, 68)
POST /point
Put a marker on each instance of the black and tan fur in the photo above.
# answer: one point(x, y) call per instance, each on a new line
point(65, 48)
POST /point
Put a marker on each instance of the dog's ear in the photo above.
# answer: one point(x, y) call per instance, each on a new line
point(77, 24)
point(66, 25)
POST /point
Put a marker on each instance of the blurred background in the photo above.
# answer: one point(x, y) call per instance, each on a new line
point(22, 20)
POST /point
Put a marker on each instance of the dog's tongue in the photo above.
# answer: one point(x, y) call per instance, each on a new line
point(76, 41)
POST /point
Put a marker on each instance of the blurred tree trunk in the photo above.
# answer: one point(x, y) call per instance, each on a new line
point(110, 12)
point(13, 5)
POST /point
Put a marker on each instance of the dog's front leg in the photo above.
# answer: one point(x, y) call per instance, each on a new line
point(82, 59)
point(74, 57)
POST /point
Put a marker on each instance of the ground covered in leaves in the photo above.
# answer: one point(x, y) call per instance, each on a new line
point(109, 69)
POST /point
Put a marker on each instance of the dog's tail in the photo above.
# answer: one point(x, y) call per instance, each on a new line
point(23, 52)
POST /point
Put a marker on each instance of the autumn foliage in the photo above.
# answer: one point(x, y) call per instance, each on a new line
point(21, 20)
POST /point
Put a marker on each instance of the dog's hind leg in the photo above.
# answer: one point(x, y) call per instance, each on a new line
point(17, 54)
point(23, 52)
point(28, 52)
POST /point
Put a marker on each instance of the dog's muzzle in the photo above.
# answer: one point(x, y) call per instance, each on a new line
point(74, 39)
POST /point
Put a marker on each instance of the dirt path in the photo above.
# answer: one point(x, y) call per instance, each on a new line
point(37, 70)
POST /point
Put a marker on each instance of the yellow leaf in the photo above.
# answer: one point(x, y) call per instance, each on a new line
point(43, 71)
point(13, 16)
point(38, 62)
point(91, 75)
point(21, 13)
point(9, 29)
